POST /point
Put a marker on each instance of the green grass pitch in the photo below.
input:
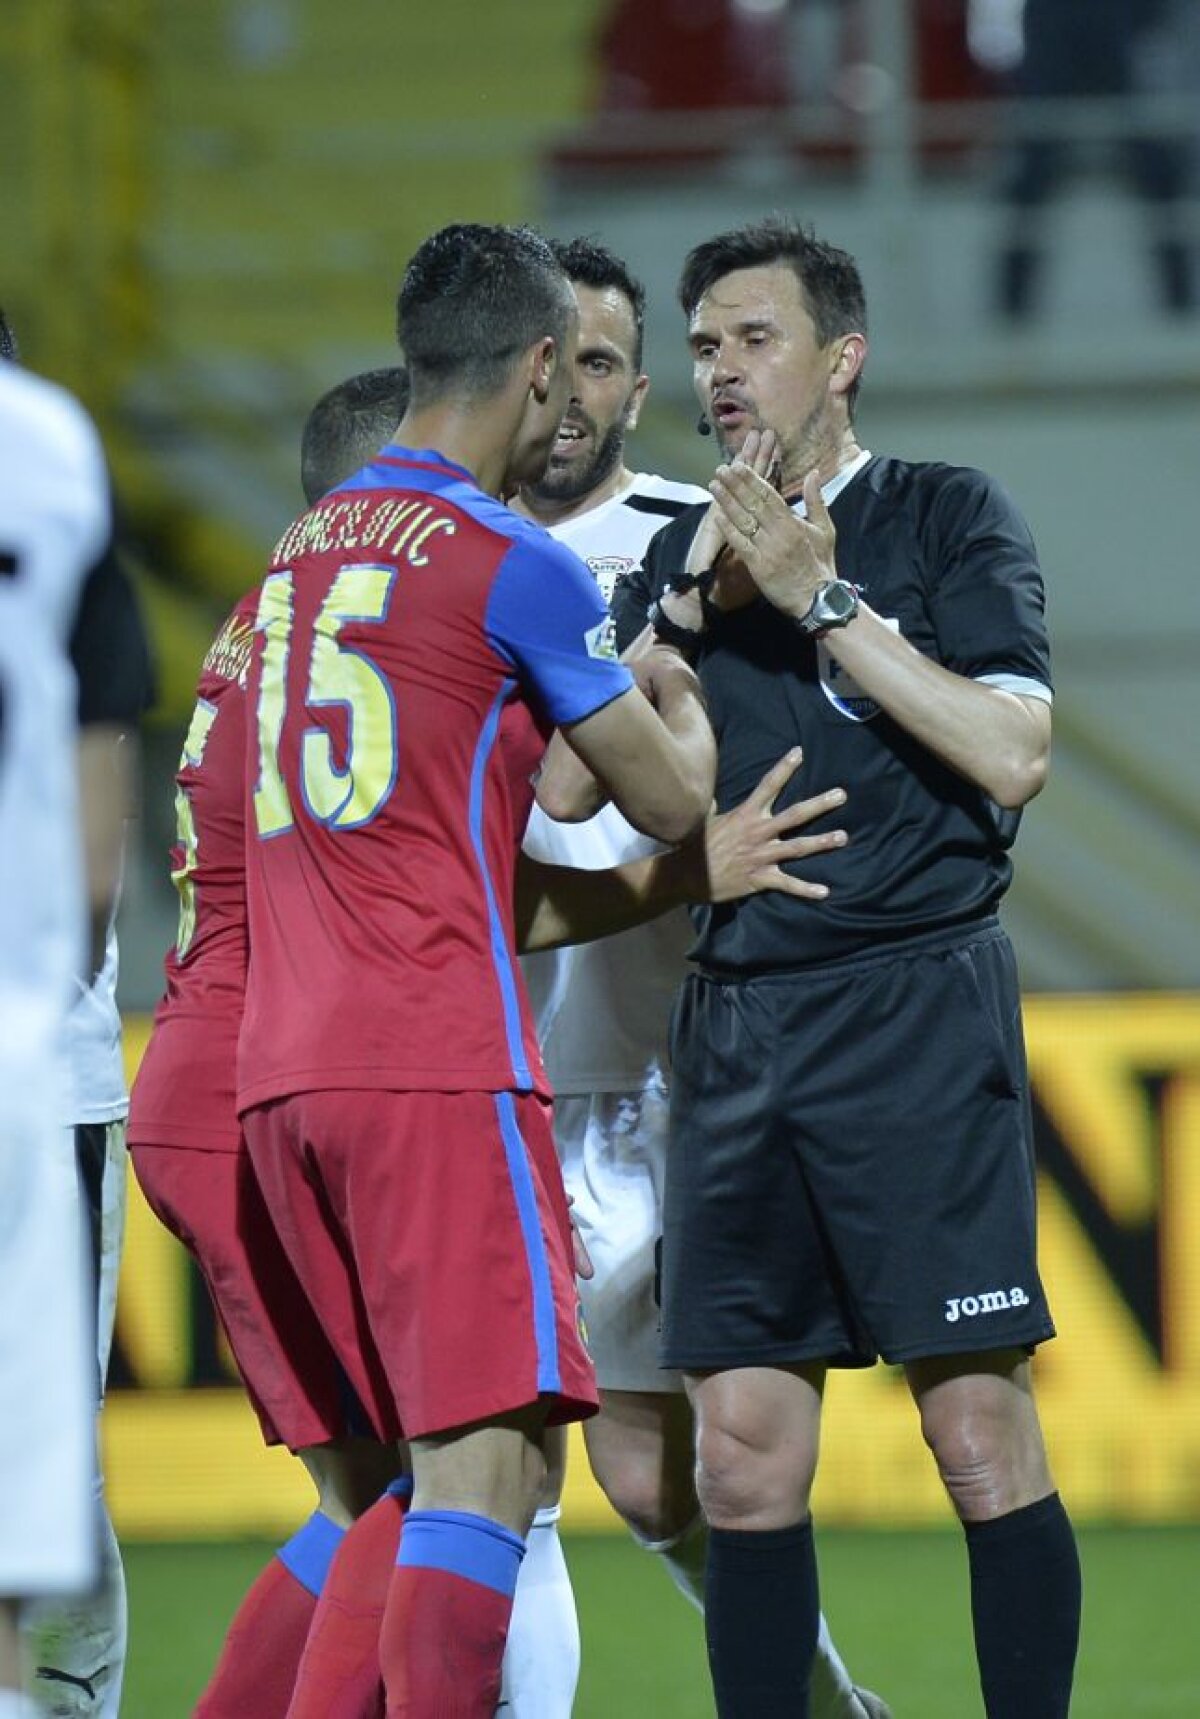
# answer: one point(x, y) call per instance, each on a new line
point(897, 1603)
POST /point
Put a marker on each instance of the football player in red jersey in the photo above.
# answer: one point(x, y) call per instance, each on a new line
point(741, 851)
point(389, 1080)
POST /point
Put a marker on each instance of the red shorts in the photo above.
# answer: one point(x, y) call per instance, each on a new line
point(211, 1201)
point(430, 1230)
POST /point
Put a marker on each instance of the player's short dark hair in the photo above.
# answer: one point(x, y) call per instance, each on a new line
point(473, 298)
point(348, 425)
point(829, 278)
point(586, 262)
point(8, 340)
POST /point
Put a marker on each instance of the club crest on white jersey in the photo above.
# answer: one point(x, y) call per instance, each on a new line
point(607, 569)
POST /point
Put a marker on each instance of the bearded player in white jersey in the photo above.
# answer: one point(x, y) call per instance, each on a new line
point(602, 1008)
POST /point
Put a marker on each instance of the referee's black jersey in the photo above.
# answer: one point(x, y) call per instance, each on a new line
point(941, 553)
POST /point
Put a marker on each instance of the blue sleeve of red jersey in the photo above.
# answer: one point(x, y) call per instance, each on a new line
point(545, 615)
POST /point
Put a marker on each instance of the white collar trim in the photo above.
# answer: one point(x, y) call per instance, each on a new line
point(837, 482)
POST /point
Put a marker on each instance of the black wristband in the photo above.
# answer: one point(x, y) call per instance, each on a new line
point(684, 639)
point(681, 583)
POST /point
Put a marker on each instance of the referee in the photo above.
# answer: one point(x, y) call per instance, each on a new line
point(850, 1173)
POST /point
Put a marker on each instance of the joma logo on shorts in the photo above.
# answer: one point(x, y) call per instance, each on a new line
point(991, 1301)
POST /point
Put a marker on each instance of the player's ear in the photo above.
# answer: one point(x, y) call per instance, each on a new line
point(849, 354)
point(544, 359)
point(633, 406)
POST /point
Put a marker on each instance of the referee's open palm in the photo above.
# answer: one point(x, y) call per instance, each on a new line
point(788, 557)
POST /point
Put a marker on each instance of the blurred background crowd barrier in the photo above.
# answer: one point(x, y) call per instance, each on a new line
point(208, 208)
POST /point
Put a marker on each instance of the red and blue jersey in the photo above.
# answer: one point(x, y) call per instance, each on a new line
point(416, 643)
point(184, 1094)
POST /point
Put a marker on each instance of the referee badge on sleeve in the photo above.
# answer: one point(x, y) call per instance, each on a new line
point(841, 688)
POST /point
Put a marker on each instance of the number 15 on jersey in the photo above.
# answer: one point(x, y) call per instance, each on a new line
point(346, 796)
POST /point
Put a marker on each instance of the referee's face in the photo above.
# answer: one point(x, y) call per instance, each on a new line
point(757, 363)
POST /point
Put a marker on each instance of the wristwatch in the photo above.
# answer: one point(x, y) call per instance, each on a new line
point(833, 605)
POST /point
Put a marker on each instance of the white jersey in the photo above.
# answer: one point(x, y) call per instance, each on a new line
point(99, 1092)
point(54, 521)
point(601, 1008)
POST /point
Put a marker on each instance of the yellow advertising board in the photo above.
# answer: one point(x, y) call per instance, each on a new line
point(1116, 1083)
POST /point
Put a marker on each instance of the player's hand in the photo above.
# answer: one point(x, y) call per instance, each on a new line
point(663, 675)
point(787, 558)
point(583, 1262)
point(745, 849)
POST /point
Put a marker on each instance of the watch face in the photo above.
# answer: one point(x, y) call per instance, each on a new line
point(838, 602)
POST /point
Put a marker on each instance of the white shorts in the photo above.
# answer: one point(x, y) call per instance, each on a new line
point(48, 1541)
point(612, 1146)
point(103, 1162)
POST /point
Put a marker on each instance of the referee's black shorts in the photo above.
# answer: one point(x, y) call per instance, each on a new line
point(850, 1171)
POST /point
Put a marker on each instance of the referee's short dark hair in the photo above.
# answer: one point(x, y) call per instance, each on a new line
point(829, 278)
point(348, 426)
point(474, 298)
point(586, 262)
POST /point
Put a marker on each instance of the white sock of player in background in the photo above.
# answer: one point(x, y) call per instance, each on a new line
point(831, 1694)
point(684, 1556)
point(14, 1705)
point(541, 1660)
point(76, 1649)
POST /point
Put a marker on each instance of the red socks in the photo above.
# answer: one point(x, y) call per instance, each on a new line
point(257, 1667)
point(339, 1675)
point(433, 1616)
point(447, 1616)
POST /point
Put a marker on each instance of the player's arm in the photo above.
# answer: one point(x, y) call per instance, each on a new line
point(736, 853)
point(998, 739)
point(567, 788)
point(108, 775)
point(112, 664)
point(566, 782)
point(651, 750)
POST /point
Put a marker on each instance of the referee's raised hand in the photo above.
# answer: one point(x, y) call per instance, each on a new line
point(788, 557)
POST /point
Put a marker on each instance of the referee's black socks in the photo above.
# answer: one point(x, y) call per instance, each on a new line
point(761, 1615)
point(1026, 1595)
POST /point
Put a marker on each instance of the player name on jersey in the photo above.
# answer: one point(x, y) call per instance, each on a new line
point(394, 528)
